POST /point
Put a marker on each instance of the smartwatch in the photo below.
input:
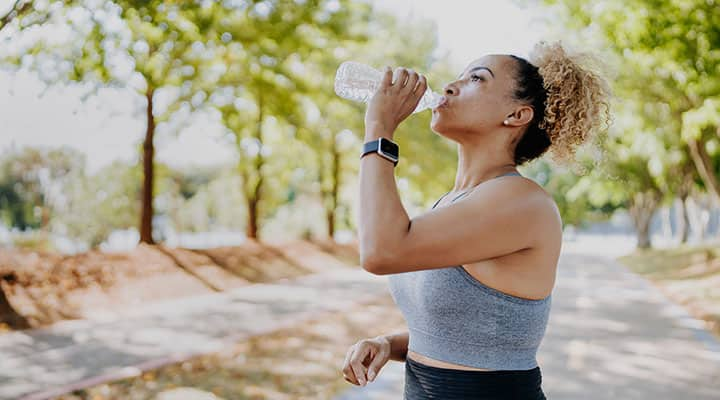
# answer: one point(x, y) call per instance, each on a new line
point(384, 147)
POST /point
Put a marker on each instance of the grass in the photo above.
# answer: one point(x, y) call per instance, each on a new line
point(302, 362)
point(690, 275)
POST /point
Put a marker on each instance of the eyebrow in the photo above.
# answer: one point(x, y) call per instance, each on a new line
point(477, 68)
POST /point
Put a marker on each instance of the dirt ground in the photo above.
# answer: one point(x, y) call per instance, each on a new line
point(300, 362)
point(43, 288)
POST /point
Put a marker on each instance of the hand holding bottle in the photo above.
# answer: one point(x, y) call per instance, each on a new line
point(358, 82)
point(394, 100)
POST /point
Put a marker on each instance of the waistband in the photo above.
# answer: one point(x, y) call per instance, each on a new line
point(428, 382)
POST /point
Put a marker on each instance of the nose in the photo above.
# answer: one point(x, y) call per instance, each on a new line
point(450, 89)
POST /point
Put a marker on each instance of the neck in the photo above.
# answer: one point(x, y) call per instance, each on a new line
point(480, 160)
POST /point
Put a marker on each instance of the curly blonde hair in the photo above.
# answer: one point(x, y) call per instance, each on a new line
point(574, 98)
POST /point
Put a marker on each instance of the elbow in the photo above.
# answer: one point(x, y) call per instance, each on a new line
point(370, 262)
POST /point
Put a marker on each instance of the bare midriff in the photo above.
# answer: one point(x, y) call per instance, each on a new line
point(440, 364)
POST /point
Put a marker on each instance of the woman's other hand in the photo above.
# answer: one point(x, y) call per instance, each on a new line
point(364, 360)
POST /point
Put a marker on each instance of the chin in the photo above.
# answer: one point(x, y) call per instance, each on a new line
point(437, 125)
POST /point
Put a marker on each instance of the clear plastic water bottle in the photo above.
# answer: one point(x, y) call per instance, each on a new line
point(358, 82)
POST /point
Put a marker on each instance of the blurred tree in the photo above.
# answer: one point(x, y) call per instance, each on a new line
point(26, 13)
point(156, 48)
point(31, 184)
point(98, 204)
point(665, 74)
point(262, 63)
point(204, 199)
point(668, 57)
point(18, 8)
point(13, 211)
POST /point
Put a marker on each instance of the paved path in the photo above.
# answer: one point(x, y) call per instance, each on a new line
point(43, 363)
point(611, 335)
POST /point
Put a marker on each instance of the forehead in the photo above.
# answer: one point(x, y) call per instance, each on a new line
point(501, 65)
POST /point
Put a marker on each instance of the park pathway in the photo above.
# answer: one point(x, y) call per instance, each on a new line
point(611, 335)
point(43, 363)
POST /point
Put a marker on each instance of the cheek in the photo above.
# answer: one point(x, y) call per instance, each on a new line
point(484, 112)
point(482, 105)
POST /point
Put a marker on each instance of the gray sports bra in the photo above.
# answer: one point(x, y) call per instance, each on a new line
point(453, 317)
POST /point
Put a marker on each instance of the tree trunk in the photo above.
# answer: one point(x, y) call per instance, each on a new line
point(642, 208)
point(666, 218)
point(148, 173)
point(252, 228)
point(699, 214)
point(685, 220)
point(254, 193)
point(683, 192)
point(704, 166)
point(334, 189)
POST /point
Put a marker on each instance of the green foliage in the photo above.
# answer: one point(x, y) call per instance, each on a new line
point(266, 70)
point(666, 79)
point(31, 182)
point(203, 200)
point(704, 117)
point(270, 57)
point(14, 210)
point(100, 203)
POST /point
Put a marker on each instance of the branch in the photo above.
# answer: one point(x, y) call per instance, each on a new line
point(14, 12)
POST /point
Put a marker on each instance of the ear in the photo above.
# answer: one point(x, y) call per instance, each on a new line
point(522, 116)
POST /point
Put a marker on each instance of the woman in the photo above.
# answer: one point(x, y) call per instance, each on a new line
point(473, 277)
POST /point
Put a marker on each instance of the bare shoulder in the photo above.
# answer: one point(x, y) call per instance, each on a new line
point(522, 187)
point(548, 204)
point(534, 197)
point(551, 217)
point(533, 188)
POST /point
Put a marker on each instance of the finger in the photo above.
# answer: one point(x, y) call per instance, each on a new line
point(348, 373)
point(356, 364)
point(350, 377)
point(400, 77)
point(359, 371)
point(387, 77)
point(376, 364)
point(411, 82)
point(421, 86)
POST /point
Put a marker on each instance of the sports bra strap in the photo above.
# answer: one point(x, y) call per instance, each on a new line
point(441, 197)
point(438, 201)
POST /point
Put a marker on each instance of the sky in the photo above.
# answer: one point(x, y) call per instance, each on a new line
point(111, 125)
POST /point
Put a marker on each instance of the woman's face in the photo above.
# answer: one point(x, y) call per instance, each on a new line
point(479, 100)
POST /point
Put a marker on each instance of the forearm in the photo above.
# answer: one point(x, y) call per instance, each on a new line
point(398, 345)
point(383, 219)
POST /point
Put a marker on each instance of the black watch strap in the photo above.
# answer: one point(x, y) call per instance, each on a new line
point(384, 147)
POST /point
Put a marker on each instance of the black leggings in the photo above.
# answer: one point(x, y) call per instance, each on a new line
point(428, 382)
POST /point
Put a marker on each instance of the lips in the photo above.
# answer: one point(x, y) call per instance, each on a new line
point(443, 102)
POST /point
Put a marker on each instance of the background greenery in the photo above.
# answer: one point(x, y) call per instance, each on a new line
point(265, 70)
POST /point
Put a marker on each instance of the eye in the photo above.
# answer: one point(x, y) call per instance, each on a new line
point(474, 77)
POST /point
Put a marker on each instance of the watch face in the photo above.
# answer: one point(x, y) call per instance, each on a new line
point(389, 148)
